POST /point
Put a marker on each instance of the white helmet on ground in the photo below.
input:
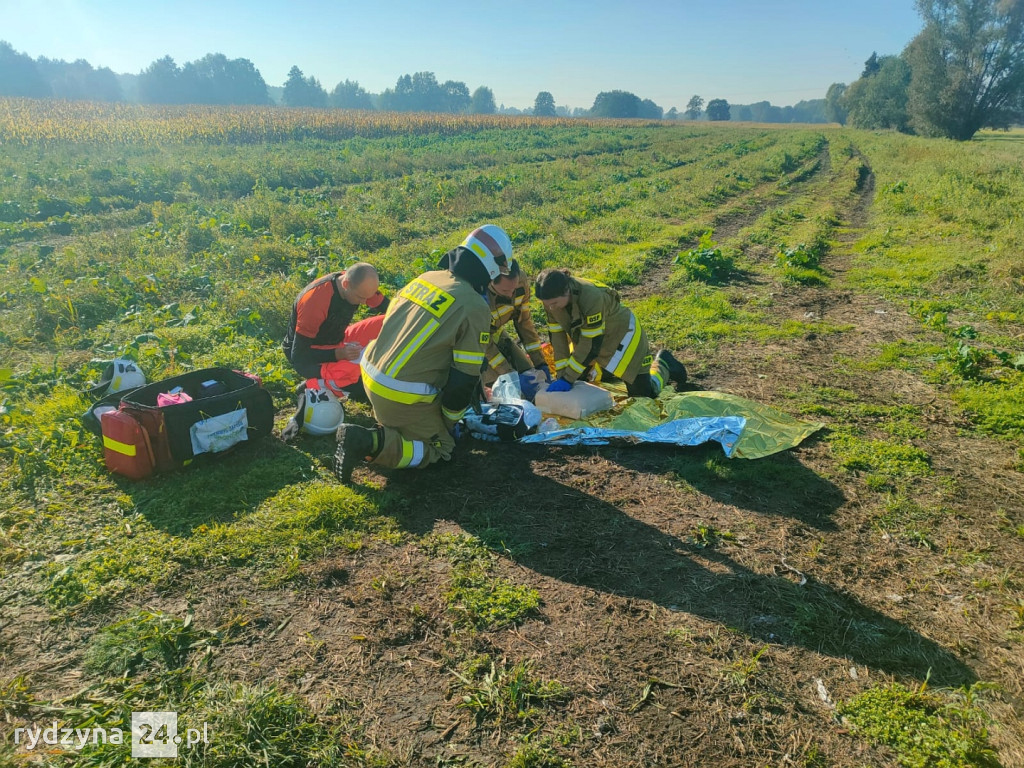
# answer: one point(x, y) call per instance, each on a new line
point(323, 412)
point(123, 374)
point(494, 248)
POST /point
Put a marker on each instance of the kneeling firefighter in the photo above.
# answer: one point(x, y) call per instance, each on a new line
point(423, 370)
point(589, 326)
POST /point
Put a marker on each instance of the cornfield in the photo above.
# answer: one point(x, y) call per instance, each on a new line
point(31, 121)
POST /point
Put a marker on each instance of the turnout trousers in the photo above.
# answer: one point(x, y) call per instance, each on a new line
point(415, 434)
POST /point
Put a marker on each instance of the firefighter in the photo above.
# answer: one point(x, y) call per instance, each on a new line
point(322, 344)
point(508, 298)
point(589, 326)
point(423, 371)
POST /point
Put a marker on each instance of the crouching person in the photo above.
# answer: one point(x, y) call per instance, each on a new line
point(423, 370)
point(589, 326)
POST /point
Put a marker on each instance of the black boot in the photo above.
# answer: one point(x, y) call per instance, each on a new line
point(355, 444)
point(676, 370)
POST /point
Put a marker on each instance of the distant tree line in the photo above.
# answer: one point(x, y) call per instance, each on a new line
point(215, 79)
point(963, 72)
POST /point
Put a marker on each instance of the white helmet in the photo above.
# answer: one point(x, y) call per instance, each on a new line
point(123, 374)
point(323, 412)
point(493, 246)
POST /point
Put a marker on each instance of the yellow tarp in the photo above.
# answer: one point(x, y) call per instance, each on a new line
point(767, 430)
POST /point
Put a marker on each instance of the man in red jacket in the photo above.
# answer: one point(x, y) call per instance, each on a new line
point(322, 342)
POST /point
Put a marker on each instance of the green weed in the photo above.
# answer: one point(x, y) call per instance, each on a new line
point(300, 523)
point(707, 536)
point(482, 601)
point(925, 730)
point(147, 641)
point(533, 756)
point(706, 262)
point(882, 462)
point(509, 694)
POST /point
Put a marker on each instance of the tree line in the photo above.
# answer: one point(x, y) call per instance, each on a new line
point(963, 72)
point(215, 79)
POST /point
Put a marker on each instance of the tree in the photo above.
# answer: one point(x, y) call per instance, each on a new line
point(19, 75)
point(616, 104)
point(78, 80)
point(672, 114)
point(649, 110)
point(454, 97)
point(835, 105)
point(718, 109)
point(871, 66)
point(544, 105)
point(301, 91)
point(880, 101)
point(350, 95)
point(422, 93)
point(967, 66)
point(160, 83)
point(215, 79)
point(694, 108)
point(482, 102)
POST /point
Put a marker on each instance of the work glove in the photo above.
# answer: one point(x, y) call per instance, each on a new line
point(559, 385)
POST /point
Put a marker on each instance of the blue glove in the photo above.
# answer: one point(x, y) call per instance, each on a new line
point(559, 385)
point(546, 373)
point(528, 385)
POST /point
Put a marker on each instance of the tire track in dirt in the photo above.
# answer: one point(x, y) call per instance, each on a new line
point(740, 214)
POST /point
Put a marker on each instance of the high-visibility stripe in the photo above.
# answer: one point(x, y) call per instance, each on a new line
point(658, 381)
point(417, 341)
point(412, 454)
point(500, 314)
point(560, 364)
point(627, 348)
point(497, 360)
point(126, 448)
point(395, 389)
point(532, 347)
point(468, 357)
point(554, 328)
point(575, 365)
point(592, 333)
point(453, 415)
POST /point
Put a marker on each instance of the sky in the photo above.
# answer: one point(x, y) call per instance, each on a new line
point(743, 51)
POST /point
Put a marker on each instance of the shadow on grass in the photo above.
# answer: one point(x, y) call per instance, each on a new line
point(572, 536)
point(219, 489)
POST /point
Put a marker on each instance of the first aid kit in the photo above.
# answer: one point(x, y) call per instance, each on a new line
point(167, 424)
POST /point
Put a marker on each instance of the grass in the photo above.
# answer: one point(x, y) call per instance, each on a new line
point(302, 522)
point(150, 661)
point(182, 254)
point(923, 729)
point(501, 694)
point(476, 598)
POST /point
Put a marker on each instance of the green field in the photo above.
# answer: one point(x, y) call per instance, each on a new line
point(856, 601)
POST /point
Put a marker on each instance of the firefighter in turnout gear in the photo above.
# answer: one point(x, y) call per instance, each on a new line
point(508, 298)
point(589, 326)
point(423, 370)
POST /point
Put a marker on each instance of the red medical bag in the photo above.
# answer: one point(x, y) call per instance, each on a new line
point(126, 446)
